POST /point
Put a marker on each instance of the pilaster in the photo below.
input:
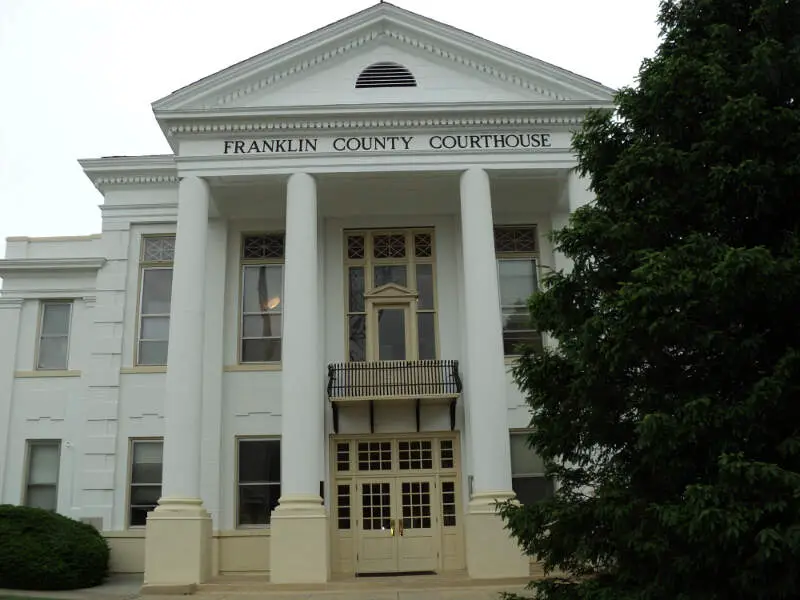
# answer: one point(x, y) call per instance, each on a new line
point(10, 309)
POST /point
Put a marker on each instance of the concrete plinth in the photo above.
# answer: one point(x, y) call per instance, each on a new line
point(177, 546)
point(299, 541)
point(491, 551)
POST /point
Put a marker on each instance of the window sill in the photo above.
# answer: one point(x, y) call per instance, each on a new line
point(252, 367)
point(144, 369)
point(53, 373)
point(247, 531)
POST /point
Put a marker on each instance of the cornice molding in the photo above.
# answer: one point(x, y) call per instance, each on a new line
point(7, 302)
point(103, 182)
point(250, 126)
point(113, 171)
point(16, 266)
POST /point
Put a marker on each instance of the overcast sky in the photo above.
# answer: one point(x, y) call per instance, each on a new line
point(78, 76)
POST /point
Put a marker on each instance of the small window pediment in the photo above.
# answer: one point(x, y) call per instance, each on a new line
point(391, 291)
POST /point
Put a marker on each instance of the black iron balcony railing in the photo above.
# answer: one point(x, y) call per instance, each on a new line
point(417, 380)
point(393, 379)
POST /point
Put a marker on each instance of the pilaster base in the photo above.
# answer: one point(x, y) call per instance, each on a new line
point(177, 546)
point(299, 541)
point(491, 551)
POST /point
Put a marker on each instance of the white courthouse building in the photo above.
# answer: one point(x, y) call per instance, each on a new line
point(288, 349)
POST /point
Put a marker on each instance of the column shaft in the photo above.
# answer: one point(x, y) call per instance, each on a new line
point(184, 382)
point(485, 364)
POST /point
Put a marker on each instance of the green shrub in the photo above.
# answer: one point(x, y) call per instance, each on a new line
point(42, 550)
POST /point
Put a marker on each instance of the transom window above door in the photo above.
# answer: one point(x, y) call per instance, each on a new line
point(391, 303)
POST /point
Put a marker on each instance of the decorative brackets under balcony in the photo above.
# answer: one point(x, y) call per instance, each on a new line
point(418, 380)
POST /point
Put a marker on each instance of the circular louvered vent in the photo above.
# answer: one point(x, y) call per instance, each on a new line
point(385, 74)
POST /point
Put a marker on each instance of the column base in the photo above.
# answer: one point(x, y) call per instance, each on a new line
point(491, 552)
point(299, 541)
point(177, 546)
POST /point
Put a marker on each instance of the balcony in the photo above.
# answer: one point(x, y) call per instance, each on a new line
point(417, 381)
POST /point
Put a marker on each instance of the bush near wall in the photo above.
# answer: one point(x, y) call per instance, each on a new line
point(42, 550)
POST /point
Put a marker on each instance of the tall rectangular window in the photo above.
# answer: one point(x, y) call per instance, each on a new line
point(527, 472)
point(258, 481)
point(145, 480)
point(41, 482)
point(262, 304)
point(53, 347)
point(155, 294)
point(518, 280)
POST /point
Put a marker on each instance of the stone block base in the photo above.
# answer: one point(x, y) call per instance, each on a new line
point(299, 541)
point(177, 547)
point(491, 552)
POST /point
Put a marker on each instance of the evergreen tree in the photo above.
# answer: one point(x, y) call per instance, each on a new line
point(670, 412)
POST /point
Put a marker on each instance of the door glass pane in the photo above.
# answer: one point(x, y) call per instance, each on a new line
point(517, 281)
point(390, 274)
point(376, 503)
point(391, 334)
point(427, 336)
point(55, 320)
point(156, 291)
point(416, 504)
point(425, 286)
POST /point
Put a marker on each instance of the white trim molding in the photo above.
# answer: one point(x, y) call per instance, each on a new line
point(14, 266)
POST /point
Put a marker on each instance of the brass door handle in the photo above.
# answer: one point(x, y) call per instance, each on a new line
point(400, 526)
point(391, 528)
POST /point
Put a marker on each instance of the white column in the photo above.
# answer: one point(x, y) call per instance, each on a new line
point(485, 365)
point(178, 535)
point(490, 552)
point(302, 415)
point(578, 190)
point(184, 383)
point(299, 544)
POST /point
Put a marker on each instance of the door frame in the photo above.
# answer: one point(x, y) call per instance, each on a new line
point(344, 544)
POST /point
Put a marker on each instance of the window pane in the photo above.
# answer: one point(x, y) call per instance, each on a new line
point(42, 496)
point(261, 350)
point(259, 461)
point(147, 495)
point(425, 286)
point(517, 281)
point(256, 503)
point(55, 319)
point(517, 320)
point(155, 328)
point(53, 353)
point(156, 291)
point(530, 490)
point(427, 336)
point(513, 340)
point(263, 288)
point(358, 338)
point(147, 462)
point(257, 326)
point(390, 274)
point(152, 353)
point(356, 289)
point(391, 334)
point(138, 516)
point(44, 459)
point(524, 461)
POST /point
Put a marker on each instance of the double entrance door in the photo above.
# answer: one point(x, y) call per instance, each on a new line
point(396, 505)
point(399, 525)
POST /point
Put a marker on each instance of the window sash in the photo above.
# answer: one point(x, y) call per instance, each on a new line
point(149, 455)
point(46, 340)
point(144, 316)
point(520, 309)
point(253, 517)
point(277, 311)
point(35, 482)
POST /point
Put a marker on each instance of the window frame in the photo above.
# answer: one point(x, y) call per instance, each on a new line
point(368, 264)
point(144, 266)
point(130, 483)
point(239, 440)
point(527, 256)
point(539, 475)
point(244, 263)
point(43, 304)
point(29, 445)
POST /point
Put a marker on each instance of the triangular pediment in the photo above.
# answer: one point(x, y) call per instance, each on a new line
point(321, 69)
point(391, 291)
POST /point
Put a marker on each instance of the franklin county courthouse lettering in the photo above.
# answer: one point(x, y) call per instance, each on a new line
point(287, 351)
